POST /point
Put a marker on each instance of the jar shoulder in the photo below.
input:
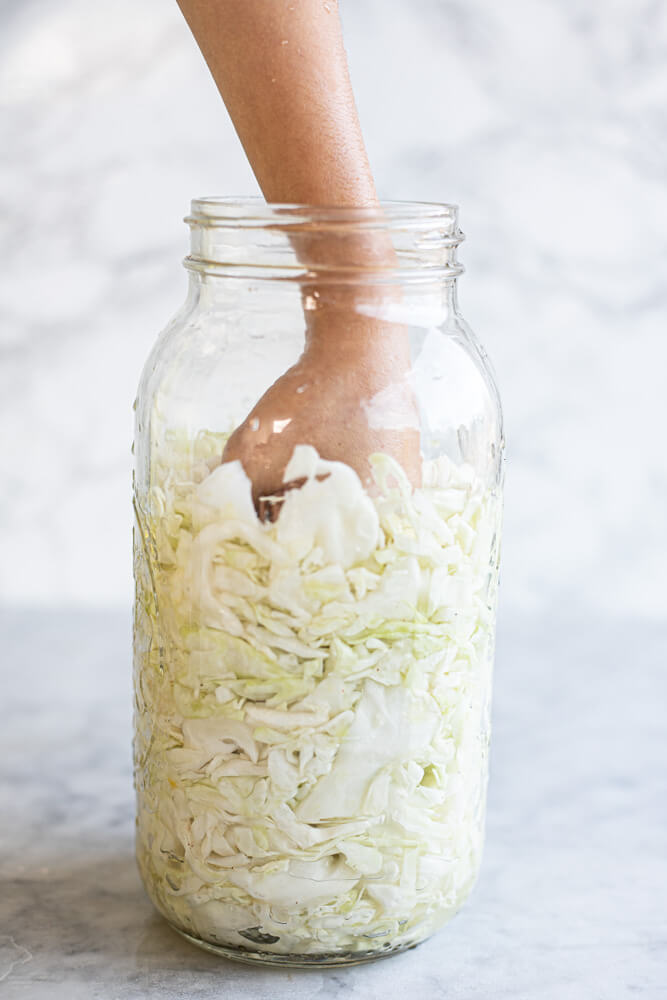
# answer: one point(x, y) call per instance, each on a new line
point(458, 397)
point(164, 346)
point(461, 330)
point(210, 366)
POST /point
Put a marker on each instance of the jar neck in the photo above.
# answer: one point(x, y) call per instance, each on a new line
point(395, 245)
point(430, 303)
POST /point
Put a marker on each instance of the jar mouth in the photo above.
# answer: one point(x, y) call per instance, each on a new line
point(398, 239)
point(253, 212)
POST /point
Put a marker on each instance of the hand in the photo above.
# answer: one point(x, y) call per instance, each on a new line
point(348, 396)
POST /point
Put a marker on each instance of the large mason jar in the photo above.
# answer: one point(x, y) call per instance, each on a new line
point(319, 454)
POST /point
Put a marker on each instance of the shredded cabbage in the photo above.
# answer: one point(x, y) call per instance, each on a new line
point(311, 700)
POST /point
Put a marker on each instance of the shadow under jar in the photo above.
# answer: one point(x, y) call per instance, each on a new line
point(313, 655)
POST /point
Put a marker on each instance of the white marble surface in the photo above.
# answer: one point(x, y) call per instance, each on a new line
point(571, 901)
point(544, 119)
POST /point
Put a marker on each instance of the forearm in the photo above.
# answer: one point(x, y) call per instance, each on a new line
point(281, 69)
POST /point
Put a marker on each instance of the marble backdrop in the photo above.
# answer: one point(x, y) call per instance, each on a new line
point(545, 120)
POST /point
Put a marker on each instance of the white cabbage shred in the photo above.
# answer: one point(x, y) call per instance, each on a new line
point(311, 700)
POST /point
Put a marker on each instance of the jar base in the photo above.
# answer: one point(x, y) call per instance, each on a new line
point(325, 959)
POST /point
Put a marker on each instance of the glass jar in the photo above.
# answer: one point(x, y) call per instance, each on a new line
point(319, 457)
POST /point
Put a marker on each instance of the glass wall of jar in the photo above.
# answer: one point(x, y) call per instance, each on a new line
point(318, 498)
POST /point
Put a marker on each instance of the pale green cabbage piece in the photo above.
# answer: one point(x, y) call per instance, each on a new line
point(312, 699)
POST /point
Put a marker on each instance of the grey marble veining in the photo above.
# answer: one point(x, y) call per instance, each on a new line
point(544, 119)
point(570, 904)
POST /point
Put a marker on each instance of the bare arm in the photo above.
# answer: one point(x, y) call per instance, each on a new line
point(281, 69)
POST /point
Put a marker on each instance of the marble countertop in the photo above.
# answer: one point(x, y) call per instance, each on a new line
point(571, 901)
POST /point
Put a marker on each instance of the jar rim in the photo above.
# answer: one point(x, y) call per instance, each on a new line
point(384, 243)
point(252, 212)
